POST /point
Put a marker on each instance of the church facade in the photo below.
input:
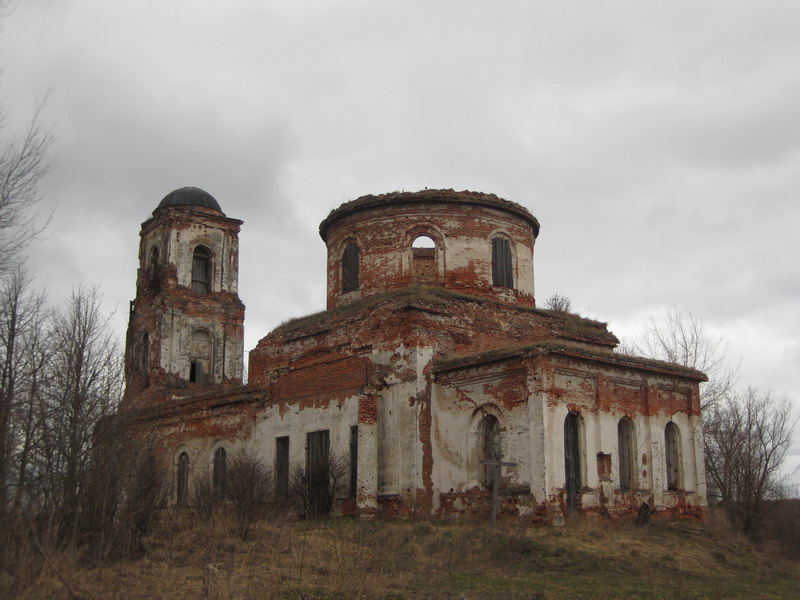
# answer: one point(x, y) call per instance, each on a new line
point(431, 375)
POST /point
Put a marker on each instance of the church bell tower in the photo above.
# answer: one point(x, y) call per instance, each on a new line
point(186, 327)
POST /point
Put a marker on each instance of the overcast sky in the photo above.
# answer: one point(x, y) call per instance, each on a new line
point(658, 143)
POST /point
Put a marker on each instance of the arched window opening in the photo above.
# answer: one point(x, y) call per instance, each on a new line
point(573, 464)
point(350, 260)
point(491, 447)
point(200, 357)
point(627, 452)
point(502, 263)
point(183, 479)
point(220, 470)
point(423, 253)
point(201, 270)
point(672, 450)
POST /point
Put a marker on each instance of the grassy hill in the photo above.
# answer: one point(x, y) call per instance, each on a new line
point(340, 559)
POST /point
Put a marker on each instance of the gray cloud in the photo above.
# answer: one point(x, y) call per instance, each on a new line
point(657, 143)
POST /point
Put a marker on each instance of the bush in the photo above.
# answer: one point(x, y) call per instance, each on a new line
point(312, 492)
point(125, 487)
point(249, 490)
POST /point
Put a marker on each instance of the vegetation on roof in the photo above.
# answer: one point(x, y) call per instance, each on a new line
point(434, 296)
point(454, 361)
point(567, 324)
point(441, 195)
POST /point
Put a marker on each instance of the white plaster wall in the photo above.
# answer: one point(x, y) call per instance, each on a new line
point(456, 436)
point(399, 446)
point(463, 252)
point(201, 461)
point(224, 276)
point(600, 435)
point(272, 423)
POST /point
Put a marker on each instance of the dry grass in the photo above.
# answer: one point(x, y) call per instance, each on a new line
point(341, 559)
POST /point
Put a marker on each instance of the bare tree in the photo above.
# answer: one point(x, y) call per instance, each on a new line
point(558, 303)
point(23, 163)
point(22, 320)
point(123, 489)
point(84, 385)
point(680, 337)
point(746, 437)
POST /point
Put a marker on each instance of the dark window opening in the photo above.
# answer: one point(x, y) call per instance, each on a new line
point(350, 260)
point(353, 461)
point(491, 450)
point(196, 374)
point(282, 467)
point(201, 262)
point(200, 354)
point(502, 271)
point(220, 471)
point(625, 443)
point(572, 460)
point(320, 496)
point(183, 479)
point(673, 456)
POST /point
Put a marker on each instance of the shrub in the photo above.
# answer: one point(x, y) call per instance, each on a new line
point(249, 490)
point(312, 491)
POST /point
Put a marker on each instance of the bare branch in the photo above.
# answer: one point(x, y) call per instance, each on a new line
point(23, 163)
point(680, 337)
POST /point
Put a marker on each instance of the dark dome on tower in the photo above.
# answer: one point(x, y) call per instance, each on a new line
point(190, 196)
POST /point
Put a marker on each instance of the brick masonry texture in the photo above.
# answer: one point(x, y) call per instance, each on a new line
point(423, 355)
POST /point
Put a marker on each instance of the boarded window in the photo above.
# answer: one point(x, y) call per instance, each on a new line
point(572, 460)
point(282, 466)
point(200, 357)
point(183, 479)
point(353, 461)
point(627, 452)
point(673, 456)
point(502, 272)
point(424, 267)
point(491, 448)
point(350, 260)
point(317, 472)
point(201, 269)
point(220, 473)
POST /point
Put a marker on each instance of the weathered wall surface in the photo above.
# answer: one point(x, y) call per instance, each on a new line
point(602, 395)
point(462, 402)
point(422, 371)
point(462, 230)
point(166, 312)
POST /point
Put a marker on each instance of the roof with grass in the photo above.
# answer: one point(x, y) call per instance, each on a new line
point(425, 197)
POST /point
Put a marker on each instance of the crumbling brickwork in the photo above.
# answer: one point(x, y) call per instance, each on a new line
point(426, 364)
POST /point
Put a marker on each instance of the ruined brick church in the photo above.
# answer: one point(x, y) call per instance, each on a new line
point(430, 363)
